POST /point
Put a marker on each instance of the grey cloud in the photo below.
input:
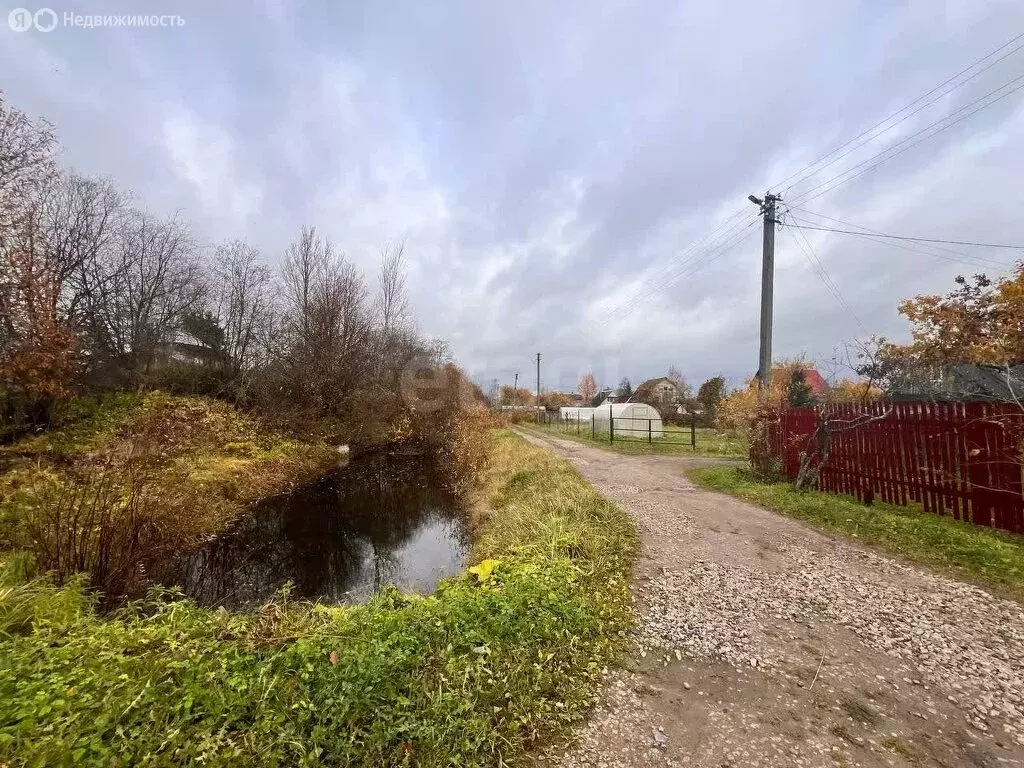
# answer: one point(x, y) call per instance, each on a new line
point(537, 157)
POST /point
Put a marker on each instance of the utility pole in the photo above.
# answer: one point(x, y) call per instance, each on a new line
point(764, 363)
point(538, 386)
point(515, 389)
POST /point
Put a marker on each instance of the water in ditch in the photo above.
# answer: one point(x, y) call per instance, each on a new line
point(380, 520)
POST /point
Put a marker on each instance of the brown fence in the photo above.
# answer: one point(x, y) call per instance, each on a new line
point(962, 459)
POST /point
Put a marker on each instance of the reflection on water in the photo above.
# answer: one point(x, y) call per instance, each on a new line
point(381, 520)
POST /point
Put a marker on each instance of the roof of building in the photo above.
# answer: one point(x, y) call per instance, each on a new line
point(815, 381)
point(967, 382)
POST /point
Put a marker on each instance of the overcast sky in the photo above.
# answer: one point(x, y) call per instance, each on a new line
point(550, 164)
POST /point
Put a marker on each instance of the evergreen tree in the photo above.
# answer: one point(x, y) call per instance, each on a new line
point(798, 393)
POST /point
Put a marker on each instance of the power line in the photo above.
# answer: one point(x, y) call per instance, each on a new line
point(963, 258)
point(818, 266)
point(680, 258)
point(915, 239)
point(907, 143)
point(723, 243)
point(968, 258)
point(724, 232)
point(623, 309)
point(898, 112)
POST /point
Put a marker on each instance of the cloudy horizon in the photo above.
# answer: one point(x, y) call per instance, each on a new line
point(553, 168)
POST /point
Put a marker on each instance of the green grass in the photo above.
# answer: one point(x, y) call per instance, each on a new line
point(676, 441)
point(501, 658)
point(205, 460)
point(991, 558)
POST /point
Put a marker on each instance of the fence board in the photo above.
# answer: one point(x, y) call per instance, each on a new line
point(958, 459)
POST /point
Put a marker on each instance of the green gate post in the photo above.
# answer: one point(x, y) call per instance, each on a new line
point(648, 431)
point(593, 428)
point(693, 432)
point(611, 425)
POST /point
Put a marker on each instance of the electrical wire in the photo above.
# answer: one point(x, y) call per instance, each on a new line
point(722, 241)
point(724, 232)
point(826, 278)
point(898, 112)
point(669, 279)
point(907, 143)
point(983, 260)
point(957, 258)
point(918, 239)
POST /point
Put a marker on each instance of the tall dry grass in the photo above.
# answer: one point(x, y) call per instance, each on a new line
point(99, 524)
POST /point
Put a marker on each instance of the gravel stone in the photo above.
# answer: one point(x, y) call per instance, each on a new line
point(807, 650)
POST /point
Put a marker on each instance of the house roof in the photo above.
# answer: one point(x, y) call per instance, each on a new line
point(967, 382)
point(815, 381)
point(654, 382)
point(646, 388)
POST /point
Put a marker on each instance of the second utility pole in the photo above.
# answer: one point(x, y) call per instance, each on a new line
point(764, 360)
point(538, 386)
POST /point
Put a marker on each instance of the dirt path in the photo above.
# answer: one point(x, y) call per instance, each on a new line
point(761, 642)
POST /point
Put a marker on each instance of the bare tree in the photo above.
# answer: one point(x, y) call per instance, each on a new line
point(27, 149)
point(392, 298)
point(676, 377)
point(328, 324)
point(142, 296)
point(80, 217)
point(242, 304)
point(392, 313)
point(305, 266)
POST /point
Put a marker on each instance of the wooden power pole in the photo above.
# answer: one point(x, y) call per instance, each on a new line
point(538, 386)
point(764, 361)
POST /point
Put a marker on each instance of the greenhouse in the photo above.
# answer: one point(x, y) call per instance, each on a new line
point(629, 419)
point(575, 413)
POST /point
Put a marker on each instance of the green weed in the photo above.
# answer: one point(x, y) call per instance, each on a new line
point(497, 660)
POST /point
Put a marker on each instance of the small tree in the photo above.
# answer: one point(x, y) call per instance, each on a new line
point(798, 393)
point(676, 377)
point(554, 400)
point(625, 389)
point(710, 396)
point(511, 396)
point(587, 387)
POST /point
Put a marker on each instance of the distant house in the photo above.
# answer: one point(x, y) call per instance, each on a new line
point(662, 393)
point(963, 383)
point(183, 347)
point(606, 396)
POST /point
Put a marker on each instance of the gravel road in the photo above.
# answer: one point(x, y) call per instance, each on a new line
point(761, 642)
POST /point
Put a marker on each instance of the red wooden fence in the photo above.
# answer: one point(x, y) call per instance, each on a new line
point(960, 459)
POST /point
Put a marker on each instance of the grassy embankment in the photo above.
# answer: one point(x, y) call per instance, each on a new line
point(676, 441)
point(501, 657)
point(130, 478)
point(981, 555)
